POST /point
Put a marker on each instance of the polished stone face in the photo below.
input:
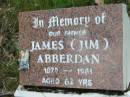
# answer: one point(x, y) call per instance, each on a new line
point(73, 47)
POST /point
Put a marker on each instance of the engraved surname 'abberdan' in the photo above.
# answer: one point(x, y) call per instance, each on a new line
point(69, 58)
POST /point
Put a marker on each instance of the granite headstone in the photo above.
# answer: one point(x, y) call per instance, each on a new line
point(79, 47)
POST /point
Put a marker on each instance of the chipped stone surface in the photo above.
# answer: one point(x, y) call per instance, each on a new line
point(105, 27)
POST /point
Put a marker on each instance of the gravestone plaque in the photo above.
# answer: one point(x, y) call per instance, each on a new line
point(81, 47)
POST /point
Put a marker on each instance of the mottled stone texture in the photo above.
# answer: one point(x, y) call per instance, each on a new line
point(107, 75)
